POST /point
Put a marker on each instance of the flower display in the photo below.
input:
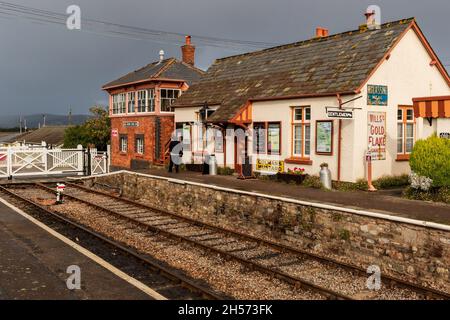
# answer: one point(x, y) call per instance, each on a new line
point(297, 171)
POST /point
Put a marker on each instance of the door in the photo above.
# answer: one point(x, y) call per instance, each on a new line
point(240, 154)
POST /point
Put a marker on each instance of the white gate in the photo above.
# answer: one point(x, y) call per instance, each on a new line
point(98, 162)
point(4, 163)
point(27, 161)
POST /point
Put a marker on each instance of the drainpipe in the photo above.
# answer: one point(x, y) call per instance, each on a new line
point(338, 96)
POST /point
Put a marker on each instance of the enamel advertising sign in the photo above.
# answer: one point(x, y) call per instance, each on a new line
point(377, 95)
point(377, 135)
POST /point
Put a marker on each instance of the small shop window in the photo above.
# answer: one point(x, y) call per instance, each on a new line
point(139, 144)
point(123, 143)
point(218, 141)
point(405, 130)
point(301, 132)
point(274, 138)
point(259, 138)
point(131, 102)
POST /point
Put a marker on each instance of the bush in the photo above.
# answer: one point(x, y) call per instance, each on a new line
point(225, 171)
point(312, 182)
point(387, 182)
point(431, 158)
point(436, 194)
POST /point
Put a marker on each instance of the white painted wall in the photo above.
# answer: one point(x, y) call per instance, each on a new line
point(407, 73)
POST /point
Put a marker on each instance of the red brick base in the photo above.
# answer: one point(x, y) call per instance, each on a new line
point(145, 126)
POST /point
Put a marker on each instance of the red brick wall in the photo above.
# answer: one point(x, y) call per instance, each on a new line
point(147, 128)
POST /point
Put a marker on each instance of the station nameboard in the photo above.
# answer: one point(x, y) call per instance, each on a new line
point(377, 95)
point(131, 124)
point(444, 135)
point(339, 114)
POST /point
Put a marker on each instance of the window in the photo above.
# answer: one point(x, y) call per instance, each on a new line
point(131, 101)
point(301, 132)
point(259, 138)
point(139, 144)
point(405, 130)
point(218, 141)
point(123, 145)
point(168, 97)
point(118, 103)
point(274, 138)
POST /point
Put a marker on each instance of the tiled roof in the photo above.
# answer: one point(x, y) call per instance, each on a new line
point(53, 135)
point(335, 64)
point(167, 69)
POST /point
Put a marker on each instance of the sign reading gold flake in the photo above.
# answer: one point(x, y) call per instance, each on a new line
point(272, 166)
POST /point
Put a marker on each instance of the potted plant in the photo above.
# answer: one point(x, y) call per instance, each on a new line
point(296, 175)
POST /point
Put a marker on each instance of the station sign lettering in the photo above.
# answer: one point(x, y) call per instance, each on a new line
point(131, 124)
point(444, 135)
point(339, 114)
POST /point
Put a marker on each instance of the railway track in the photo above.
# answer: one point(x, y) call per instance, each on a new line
point(171, 284)
point(301, 269)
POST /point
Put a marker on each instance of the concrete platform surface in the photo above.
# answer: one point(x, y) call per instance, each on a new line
point(33, 265)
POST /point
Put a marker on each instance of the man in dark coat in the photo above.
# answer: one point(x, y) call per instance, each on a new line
point(176, 153)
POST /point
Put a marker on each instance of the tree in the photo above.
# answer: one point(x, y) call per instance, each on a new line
point(95, 132)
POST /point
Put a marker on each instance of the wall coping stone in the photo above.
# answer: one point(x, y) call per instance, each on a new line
point(421, 223)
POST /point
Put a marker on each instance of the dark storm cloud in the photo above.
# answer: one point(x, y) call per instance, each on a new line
point(47, 69)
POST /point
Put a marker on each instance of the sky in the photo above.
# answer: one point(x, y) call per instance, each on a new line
point(46, 68)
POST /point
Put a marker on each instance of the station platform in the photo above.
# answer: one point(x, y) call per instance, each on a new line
point(33, 265)
point(385, 201)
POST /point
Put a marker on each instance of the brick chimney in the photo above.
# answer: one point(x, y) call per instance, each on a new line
point(188, 52)
point(321, 32)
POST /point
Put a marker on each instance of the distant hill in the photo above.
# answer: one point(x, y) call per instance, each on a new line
point(34, 120)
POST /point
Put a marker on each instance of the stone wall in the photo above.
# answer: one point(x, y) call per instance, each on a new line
point(412, 252)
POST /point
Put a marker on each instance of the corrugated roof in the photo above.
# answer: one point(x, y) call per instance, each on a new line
point(53, 135)
point(335, 64)
point(166, 69)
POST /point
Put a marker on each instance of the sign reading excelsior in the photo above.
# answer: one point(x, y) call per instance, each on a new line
point(377, 135)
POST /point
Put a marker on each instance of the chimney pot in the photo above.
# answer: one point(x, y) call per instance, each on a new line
point(161, 55)
point(188, 52)
point(321, 32)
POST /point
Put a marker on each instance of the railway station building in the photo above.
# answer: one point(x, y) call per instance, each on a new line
point(336, 99)
point(140, 108)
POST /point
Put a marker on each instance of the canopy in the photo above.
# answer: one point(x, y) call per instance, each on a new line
point(432, 107)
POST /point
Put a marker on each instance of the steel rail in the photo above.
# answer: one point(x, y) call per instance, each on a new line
point(425, 291)
point(166, 272)
point(295, 281)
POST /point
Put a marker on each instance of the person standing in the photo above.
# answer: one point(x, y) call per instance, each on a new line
point(176, 153)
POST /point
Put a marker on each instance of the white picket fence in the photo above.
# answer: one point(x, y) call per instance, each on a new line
point(28, 161)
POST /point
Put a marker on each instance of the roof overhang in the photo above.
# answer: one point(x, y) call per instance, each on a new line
point(432, 107)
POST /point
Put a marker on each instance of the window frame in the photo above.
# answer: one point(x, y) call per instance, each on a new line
point(123, 137)
point(404, 122)
point(136, 146)
point(219, 137)
point(303, 123)
point(266, 125)
point(172, 100)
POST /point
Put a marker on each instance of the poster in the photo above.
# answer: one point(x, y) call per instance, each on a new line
point(324, 137)
point(377, 95)
point(377, 135)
